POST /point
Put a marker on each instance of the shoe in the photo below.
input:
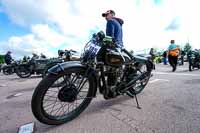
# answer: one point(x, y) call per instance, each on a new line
point(174, 69)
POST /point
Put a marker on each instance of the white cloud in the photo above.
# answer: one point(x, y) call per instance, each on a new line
point(144, 24)
point(43, 39)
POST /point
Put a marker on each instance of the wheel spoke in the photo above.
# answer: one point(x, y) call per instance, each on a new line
point(48, 105)
point(81, 85)
point(58, 110)
point(53, 106)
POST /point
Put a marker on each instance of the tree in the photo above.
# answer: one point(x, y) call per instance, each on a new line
point(187, 47)
point(2, 59)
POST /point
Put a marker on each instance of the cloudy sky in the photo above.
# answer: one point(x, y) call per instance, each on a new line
point(44, 26)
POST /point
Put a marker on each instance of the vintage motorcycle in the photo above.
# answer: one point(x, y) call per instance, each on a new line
point(194, 60)
point(114, 71)
point(33, 66)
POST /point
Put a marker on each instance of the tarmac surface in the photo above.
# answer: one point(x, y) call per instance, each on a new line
point(170, 104)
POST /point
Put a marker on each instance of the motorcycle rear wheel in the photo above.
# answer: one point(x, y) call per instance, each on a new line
point(140, 84)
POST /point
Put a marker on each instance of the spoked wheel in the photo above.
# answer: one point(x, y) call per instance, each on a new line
point(23, 71)
point(8, 70)
point(142, 82)
point(57, 105)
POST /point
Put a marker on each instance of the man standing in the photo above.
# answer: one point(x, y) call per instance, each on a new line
point(114, 27)
point(173, 55)
point(114, 30)
point(182, 57)
point(8, 58)
point(189, 57)
point(165, 57)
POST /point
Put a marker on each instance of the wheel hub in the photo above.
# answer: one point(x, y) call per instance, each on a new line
point(68, 93)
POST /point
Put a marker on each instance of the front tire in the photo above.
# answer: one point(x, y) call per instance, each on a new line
point(23, 71)
point(38, 99)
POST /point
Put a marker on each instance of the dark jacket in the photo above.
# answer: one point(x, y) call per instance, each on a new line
point(8, 59)
point(165, 54)
point(114, 29)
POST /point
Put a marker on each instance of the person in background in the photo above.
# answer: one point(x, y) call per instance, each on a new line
point(182, 57)
point(189, 57)
point(151, 52)
point(165, 57)
point(173, 52)
point(35, 56)
point(8, 58)
point(43, 56)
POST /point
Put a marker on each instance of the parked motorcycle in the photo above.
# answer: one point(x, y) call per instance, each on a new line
point(194, 60)
point(33, 66)
point(102, 66)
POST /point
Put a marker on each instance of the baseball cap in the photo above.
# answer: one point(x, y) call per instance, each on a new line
point(108, 12)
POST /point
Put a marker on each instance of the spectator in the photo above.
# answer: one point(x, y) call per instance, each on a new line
point(182, 57)
point(8, 58)
point(165, 57)
point(173, 55)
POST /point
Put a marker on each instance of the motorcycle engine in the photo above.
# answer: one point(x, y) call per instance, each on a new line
point(113, 75)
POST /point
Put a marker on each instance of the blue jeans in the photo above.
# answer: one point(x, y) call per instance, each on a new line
point(165, 61)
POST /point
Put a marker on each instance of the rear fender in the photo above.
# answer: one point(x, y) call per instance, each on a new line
point(140, 59)
point(144, 60)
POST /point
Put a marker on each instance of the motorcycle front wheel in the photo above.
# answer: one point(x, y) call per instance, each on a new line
point(58, 105)
point(23, 71)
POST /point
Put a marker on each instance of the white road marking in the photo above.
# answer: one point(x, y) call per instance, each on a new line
point(177, 74)
point(156, 80)
point(18, 94)
point(27, 128)
point(2, 85)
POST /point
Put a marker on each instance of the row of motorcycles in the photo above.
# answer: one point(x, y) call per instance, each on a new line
point(37, 65)
point(68, 87)
point(194, 59)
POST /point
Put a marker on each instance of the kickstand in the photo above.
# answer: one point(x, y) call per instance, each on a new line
point(138, 106)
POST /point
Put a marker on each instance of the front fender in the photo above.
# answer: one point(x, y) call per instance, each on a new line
point(65, 66)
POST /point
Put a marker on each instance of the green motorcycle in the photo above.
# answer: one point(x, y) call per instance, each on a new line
point(102, 66)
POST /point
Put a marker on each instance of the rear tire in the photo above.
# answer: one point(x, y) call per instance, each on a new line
point(37, 102)
point(141, 85)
